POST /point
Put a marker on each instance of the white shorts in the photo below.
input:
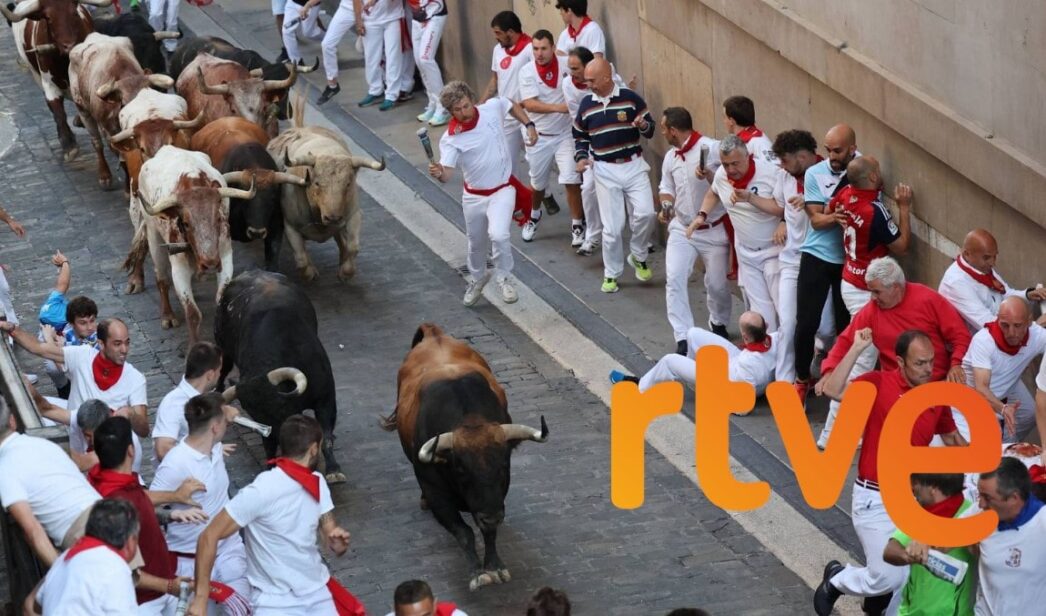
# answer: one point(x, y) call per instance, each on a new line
point(316, 603)
point(549, 148)
point(278, 6)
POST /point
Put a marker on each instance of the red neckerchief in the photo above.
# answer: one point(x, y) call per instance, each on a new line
point(446, 608)
point(989, 280)
point(521, 44)
point(1000, 340)
point(580, 85)
point(1038, 473)
point(456, 128)
point(691, 141)
point(759, 347)
point(743, 182)
point(581, 26)
point(947, 507)
point(107, 481)
point(549, 73)
point(345, 603)
point(749, 133)
point(88, 543)
point(299, 473)
point(106, 373)
point(800, 182)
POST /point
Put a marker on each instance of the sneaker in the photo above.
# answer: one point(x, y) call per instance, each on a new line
point(643, 272)
point(404, 96)
point(531, 226)
point(32, 378)
point(475, 289)
point(587, 248)
point(616, 376)
point(386, 105)
point(328, 93)
point(440, 119)
point(283, 56)
point(426, 115)
point(550, 205)
point(681, 348)
point(610, 285)
point(508, 292)
point(577, 235)
point(719, 330)
point(370, 99)
point(826, 595)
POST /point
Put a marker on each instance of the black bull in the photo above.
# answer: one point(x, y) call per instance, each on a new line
point(265, 323)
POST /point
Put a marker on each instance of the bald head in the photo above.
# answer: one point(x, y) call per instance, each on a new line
point(1015, 309)
point(599, 76)
point(752, 326)
point(863, 172)
point(980, 250)
point(841, 144)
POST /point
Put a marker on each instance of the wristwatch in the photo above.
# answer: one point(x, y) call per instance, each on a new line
point(529, 124)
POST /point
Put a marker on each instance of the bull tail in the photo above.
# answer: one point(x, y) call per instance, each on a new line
point(139, 248)
point(388, 422)
point(425, 329)
point(298, 108)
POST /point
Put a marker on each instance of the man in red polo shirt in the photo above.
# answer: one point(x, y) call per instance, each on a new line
point(877, 580)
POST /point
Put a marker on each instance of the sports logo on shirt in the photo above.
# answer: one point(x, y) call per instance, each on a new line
point(622, 116)
point(1015, 558)
point(506, 62)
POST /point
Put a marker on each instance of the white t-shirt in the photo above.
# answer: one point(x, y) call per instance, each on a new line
point(37, 471)
point(170, 415)
point(591, 37)
point(95, 581)
point(531, 85)
point(180, 463)
point(679, 180)
point(1011, 570)
point(796, 220)
point(384, 11)
point(280, 520)
point(574, 95)
point(755, 367)
point(129, 390)
point(508, 68)
point(78, 442)
point(753, 228)
point(762, 147)
point(482, 152)
point(1006, 369)
point(975, 302)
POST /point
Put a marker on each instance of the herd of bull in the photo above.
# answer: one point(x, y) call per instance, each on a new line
point(207, 165)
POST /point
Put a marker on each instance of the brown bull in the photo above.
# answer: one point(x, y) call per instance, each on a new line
point(222, 135)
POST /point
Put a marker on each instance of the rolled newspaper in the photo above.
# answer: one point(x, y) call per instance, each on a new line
point(262, 429)
point(946, 567)
point(183, 599)
point(423, 136)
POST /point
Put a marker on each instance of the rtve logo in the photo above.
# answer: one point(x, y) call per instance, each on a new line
point(820, 475)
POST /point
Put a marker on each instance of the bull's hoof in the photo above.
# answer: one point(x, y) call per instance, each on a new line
point(336, 477)
point(134, 285)
point(345, 273)
point(424, 503)
point(70, 154)
point(105, 183)
point(486, 578)
point(310, 273)
point(77, 122)
point(168, 322)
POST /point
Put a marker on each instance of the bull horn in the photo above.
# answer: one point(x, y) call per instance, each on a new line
point(153, 210)
point(105, 90)
point(189, 124)
point(218, 90)
point(236, 193)
point(281, 84)
point(436, 444)
point(44, 48)
point(123, 135)
point(160, 81)
point(370, 163)
point(309, 69)
point(237, 177)
point(281, 177)
point(21, 11)
point(98, 3)
point(520, 432)
point(279, 375)
point(256, 72)
point(163, 35)
point(176, 248)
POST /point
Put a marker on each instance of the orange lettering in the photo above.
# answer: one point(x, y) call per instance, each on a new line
point(630, 414)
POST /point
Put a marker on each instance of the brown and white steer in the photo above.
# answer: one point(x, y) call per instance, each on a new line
point(183, 217)
point(45, 31)
point(327, 206)
point(104, 76)
point(221, 88)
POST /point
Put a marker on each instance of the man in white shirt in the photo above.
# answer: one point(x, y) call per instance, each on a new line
point(378, 22)
point(93, 576)
point(739, 119)
point(42, 489)
point(428, 18)
point(476, 141)
point(973, 286)
point(203, 365)
point(542, 96)
point(745, 185)
point(199, 455)
point(686, 173)
point(415, 598)
point(511, 53)
point(998, 354)
point(575, 89)
point(752, 363)
point(1013, 558)
point(580, 30)
point(280, 513)
point(82, 424)
point(101, 374)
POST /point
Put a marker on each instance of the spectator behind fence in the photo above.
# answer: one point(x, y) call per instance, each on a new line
point(549, 602)
point(415, 598)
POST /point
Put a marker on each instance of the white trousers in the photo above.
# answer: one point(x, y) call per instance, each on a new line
point(5, 299)
point(590, 206)
point(310, 28)
point(383, 41)
point(343, 21)
point(713, 248)
point(58, 376)
point(316, 603)
point(855, 299)
point(787, 294)
point(161, 606)
point(230, 568)
point(759, 272)
point(163, 15)
point(426, 36)
point(624, 193)
point(487, 222)
point(558, 149)
point(514, 137)
point(873, 527)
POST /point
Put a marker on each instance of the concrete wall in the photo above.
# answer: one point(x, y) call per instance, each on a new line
point(944, 92)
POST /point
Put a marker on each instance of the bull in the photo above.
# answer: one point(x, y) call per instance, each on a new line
point(45, 31)
point(181, 214)
point(146, 40)
point(453, 423)
point(104, 76)
point(237, 145)
point(264, 323)
point(327, 205)
point(221, 88)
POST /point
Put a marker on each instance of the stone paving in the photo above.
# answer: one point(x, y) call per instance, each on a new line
point(560, 528)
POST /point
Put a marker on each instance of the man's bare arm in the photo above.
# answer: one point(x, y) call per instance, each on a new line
point(35, 534)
